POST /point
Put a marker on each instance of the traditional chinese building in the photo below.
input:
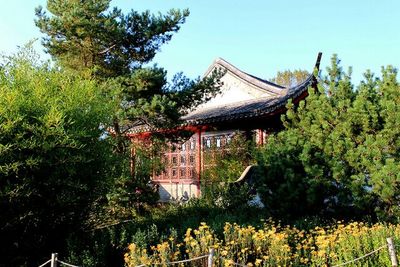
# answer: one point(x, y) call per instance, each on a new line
point(245, 103)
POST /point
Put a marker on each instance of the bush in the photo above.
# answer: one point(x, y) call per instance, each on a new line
point(53, 157)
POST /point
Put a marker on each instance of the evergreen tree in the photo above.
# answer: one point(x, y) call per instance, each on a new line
point(94, 41)
point(88, 36)
point(338, 152)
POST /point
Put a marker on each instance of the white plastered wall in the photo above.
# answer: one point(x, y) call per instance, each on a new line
point(234, 90)
point(177, 191)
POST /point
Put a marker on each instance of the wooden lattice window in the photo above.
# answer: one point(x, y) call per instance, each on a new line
point(218, 142)
point(192, 145)
point(207, 142)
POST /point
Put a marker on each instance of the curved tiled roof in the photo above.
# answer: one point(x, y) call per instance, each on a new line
point(253, 108)
point(249, 108)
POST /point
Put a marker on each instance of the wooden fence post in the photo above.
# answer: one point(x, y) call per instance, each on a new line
point(53, 262)
point(392, 252)
point(210, 257)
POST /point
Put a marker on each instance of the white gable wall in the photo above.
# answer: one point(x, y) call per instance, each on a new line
point(234, 89)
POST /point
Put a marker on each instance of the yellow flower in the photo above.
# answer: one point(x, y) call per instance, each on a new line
point(228, 263)
point(132, 247)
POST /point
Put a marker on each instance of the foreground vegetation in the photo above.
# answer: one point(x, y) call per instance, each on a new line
point(272, 244)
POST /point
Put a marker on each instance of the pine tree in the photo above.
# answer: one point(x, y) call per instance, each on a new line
point(87, 36)
point(92, 40)
point(339, 151)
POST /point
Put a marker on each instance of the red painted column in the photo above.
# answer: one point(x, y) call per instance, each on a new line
point(261, 133)
point(169, 168)
point(133, 161)
point(199, 161)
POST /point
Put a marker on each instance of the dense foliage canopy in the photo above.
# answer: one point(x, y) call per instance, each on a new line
point(89, 36)
point(54, 159)
point(339, 151)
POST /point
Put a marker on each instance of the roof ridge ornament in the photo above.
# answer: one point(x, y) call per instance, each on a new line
point(311, 78)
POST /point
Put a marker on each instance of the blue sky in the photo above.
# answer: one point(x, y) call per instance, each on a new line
point(259, 36)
